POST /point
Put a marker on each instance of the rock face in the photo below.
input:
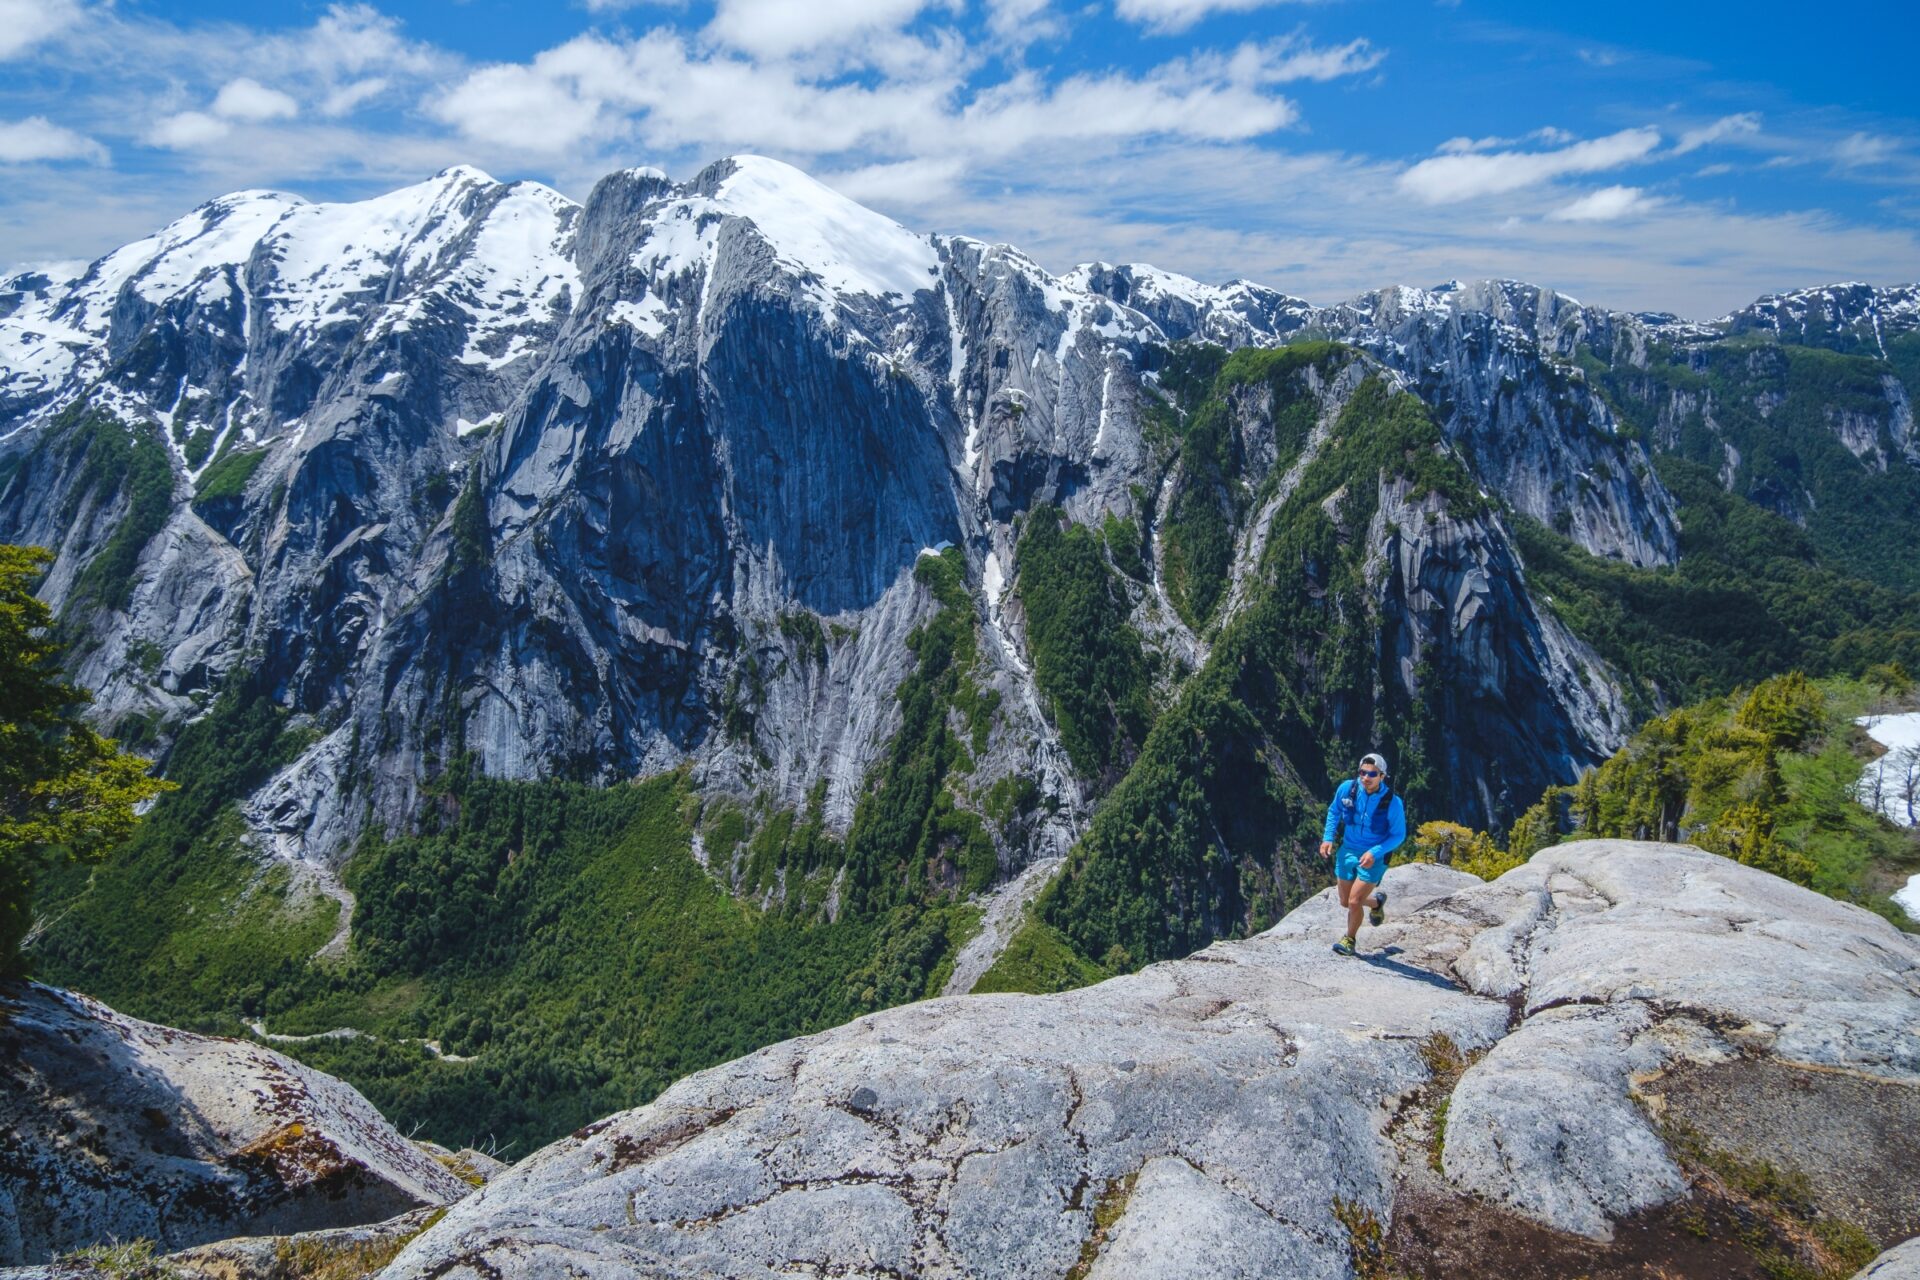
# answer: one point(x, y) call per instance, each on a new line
point(1222, 1115)
point(112, 1128)
point(1902, 1262)
point(573, 485)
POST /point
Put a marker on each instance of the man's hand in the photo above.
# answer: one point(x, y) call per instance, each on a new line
point(1366, 859)
point(1326, 848)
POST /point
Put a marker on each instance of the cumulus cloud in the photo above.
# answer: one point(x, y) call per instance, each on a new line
point(672, 94)
point(38, 138)
point(1022, 20)
point(1450, 178)
point(185, 130)
point(776, 28)
point(1747, 122)
point(1168, 16)
point(26, 23)
point(1608, 204)
point(247, 99)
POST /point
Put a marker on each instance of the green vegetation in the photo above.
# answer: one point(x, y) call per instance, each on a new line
point(1764, 775)
point(1108, 1208)
point(472, 535)
point(908, 837)
point(1087, 660)
point(128, 1260)
point(783, 848)
point(804, 629)
point(1199, 839)
point(180, 921)
point(1446, 1062)
point(1783, 408)
point(107, 459)
point(1750, 594)
point(1786, 1232)
point(1474, 852)
point(226, 480)
point(1038, 961)
point(320, 1258)
point(1366, 1240)
point(1213, 394)
point(1124, 546)
point(536, 955)
point(67, 795)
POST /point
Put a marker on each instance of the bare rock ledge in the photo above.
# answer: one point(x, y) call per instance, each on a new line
point(113, 1128)
point(1216, 1111)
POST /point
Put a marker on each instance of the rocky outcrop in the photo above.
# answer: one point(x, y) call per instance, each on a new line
point(1245, 1111)
point(113, 1128)
point(1524, 700)
point(1902, 1262)
point(1495, 362)
point(1851, 317)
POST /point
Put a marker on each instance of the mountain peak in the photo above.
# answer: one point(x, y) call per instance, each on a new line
point(817, 231)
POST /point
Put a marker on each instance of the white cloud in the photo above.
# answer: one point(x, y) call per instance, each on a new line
point(26, 23)
point(1608, 204)
point(909, 183)
point(1747, 122)
point(526, 108)
point(186, 130)
point(354, 39)
point(674, 97)
point(1447, 179)
point(1168, 16)
point(38, 138)
point(1297, 60)
point(1021, 20)
point(776, 28)
point(1861, 149)
point(353, 95)
point(248, 99)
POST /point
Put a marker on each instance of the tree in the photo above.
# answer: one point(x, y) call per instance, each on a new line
point(1463, 848)
point(65, 791)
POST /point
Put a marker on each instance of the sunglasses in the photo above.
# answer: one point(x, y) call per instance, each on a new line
point(1369, 773)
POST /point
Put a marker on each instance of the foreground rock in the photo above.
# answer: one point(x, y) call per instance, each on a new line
point(1245, 1111)
point(113, 1128)
point(1899, 1263)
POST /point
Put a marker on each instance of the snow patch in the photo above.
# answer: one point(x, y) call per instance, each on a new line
point(1892, 783)
point(648, 316)
point(816, 230)
point(1908, 899)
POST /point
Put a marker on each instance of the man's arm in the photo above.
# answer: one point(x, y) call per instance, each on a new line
point(1332, 828)
point(1396, 826)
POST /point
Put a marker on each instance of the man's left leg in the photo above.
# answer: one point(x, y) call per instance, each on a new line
point(1342, 890)
point(1360, 896)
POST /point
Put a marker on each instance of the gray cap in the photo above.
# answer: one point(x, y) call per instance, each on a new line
point(1375, 759)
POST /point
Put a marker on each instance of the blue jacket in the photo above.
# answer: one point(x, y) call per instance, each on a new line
point(1360, 821)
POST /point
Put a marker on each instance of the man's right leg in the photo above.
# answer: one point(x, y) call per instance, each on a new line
point(1342, 891)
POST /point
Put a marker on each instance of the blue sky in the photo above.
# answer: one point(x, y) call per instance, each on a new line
point(1683, 157)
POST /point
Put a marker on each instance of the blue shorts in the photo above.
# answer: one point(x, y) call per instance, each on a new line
point(1346, 865)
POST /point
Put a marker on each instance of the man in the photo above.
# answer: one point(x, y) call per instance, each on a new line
point(1368, 822)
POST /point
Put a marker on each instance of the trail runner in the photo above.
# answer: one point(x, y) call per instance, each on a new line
point(1365, 824)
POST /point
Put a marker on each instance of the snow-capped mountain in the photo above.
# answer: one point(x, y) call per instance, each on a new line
point(1845, 317)
point(602, 489)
